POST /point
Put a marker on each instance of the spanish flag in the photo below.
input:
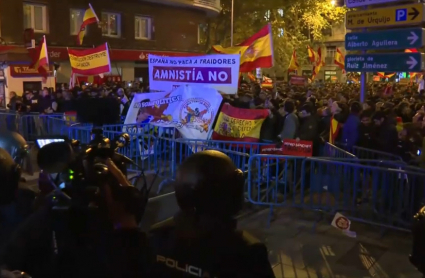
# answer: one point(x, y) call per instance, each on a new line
point(89, 18)
point(267, 82)
point(340, 60)
point(293, 64)
point(383, 75)
point(237, 124)
point(40, 58)
point(256, 52)
point(311, 54)
point(334, 130)
point(318, 64)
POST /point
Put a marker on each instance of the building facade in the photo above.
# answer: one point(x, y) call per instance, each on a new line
point(132, 28)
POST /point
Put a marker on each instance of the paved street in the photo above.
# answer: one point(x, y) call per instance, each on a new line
point(296, 251)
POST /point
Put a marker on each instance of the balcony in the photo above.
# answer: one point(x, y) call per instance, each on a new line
point(211, 7)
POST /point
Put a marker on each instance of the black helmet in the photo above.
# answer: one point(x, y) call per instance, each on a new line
point(17, 147)
point(10, 173)
point(209, 183)
point(417, 258)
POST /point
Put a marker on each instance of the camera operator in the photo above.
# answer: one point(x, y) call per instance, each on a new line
point(78, 242)
point(201, 240)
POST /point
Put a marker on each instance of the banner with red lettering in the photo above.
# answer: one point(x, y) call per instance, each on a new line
point(290, 147)
point(238, 124)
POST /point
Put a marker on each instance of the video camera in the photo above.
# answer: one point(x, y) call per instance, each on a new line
point(81, 169)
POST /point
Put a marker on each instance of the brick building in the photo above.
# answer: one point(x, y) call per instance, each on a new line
point(133, 29)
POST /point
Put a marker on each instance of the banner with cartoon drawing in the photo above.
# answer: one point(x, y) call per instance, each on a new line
point(191, 110)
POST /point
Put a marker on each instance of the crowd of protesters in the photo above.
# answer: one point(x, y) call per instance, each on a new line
point(390, 121)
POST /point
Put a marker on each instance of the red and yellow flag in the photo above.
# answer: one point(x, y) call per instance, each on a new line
point(340, 60)
point(256, 52)
point(40, 58)
point(89, 18)
point(237, 124)
point(334, 130)
point(293, 64)
point(251, 77)
point(92, 61)
point(312, 55)
point(318, 64)
point(267, 82)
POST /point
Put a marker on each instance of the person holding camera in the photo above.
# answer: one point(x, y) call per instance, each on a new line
point(202, 240)
point(100, 239)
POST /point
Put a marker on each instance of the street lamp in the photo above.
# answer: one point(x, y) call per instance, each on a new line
point(333, 2)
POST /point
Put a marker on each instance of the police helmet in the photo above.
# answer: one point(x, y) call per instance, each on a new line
point(17, 147)
point(10, 173)
point(209, 183)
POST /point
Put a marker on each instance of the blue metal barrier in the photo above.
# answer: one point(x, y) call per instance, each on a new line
point(364, 153)
point(9, 121)
point(33, 125)
point(171, 152)
point(330, 150)
point(386, 197)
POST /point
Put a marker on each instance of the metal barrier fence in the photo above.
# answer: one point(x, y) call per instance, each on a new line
point(383, 196)
point(330, 150)
point(32, 125)
point(364, 153)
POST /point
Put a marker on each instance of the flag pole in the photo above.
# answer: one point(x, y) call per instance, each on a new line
point(231, 23)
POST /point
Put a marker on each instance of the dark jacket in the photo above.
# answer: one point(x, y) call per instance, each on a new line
point(270, 128)
point(186, 246)
point(308, 130)
point(388, 137)
point(350, 131)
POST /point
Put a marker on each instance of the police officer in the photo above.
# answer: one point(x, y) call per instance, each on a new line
point(15, 203)
point(18, 148)
point(201, 240)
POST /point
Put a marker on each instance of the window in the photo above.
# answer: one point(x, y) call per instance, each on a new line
point(202, 34)
point(267, 15)
point(142, 28)
point(111, 25)
point(330, 76)
point(280, 32)
point(330, 55)
point(327, 31)
point(76, 18)
point(35, 17)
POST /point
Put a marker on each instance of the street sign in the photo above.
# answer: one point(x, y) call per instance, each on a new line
point(359, 3)
point(398, 62)
point(390, 16)
point(387, 39)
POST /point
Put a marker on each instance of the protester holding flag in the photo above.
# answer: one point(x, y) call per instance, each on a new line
point(90, 17)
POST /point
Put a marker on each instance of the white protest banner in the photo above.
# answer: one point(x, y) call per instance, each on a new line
point(220, 72)
point(192, 110)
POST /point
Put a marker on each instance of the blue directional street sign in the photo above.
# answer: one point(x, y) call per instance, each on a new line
point(387, 62)
point(387, 39)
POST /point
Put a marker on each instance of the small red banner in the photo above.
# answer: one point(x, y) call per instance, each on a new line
point(290, 147)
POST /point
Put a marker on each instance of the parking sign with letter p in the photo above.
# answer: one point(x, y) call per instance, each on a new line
point(401, 15)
